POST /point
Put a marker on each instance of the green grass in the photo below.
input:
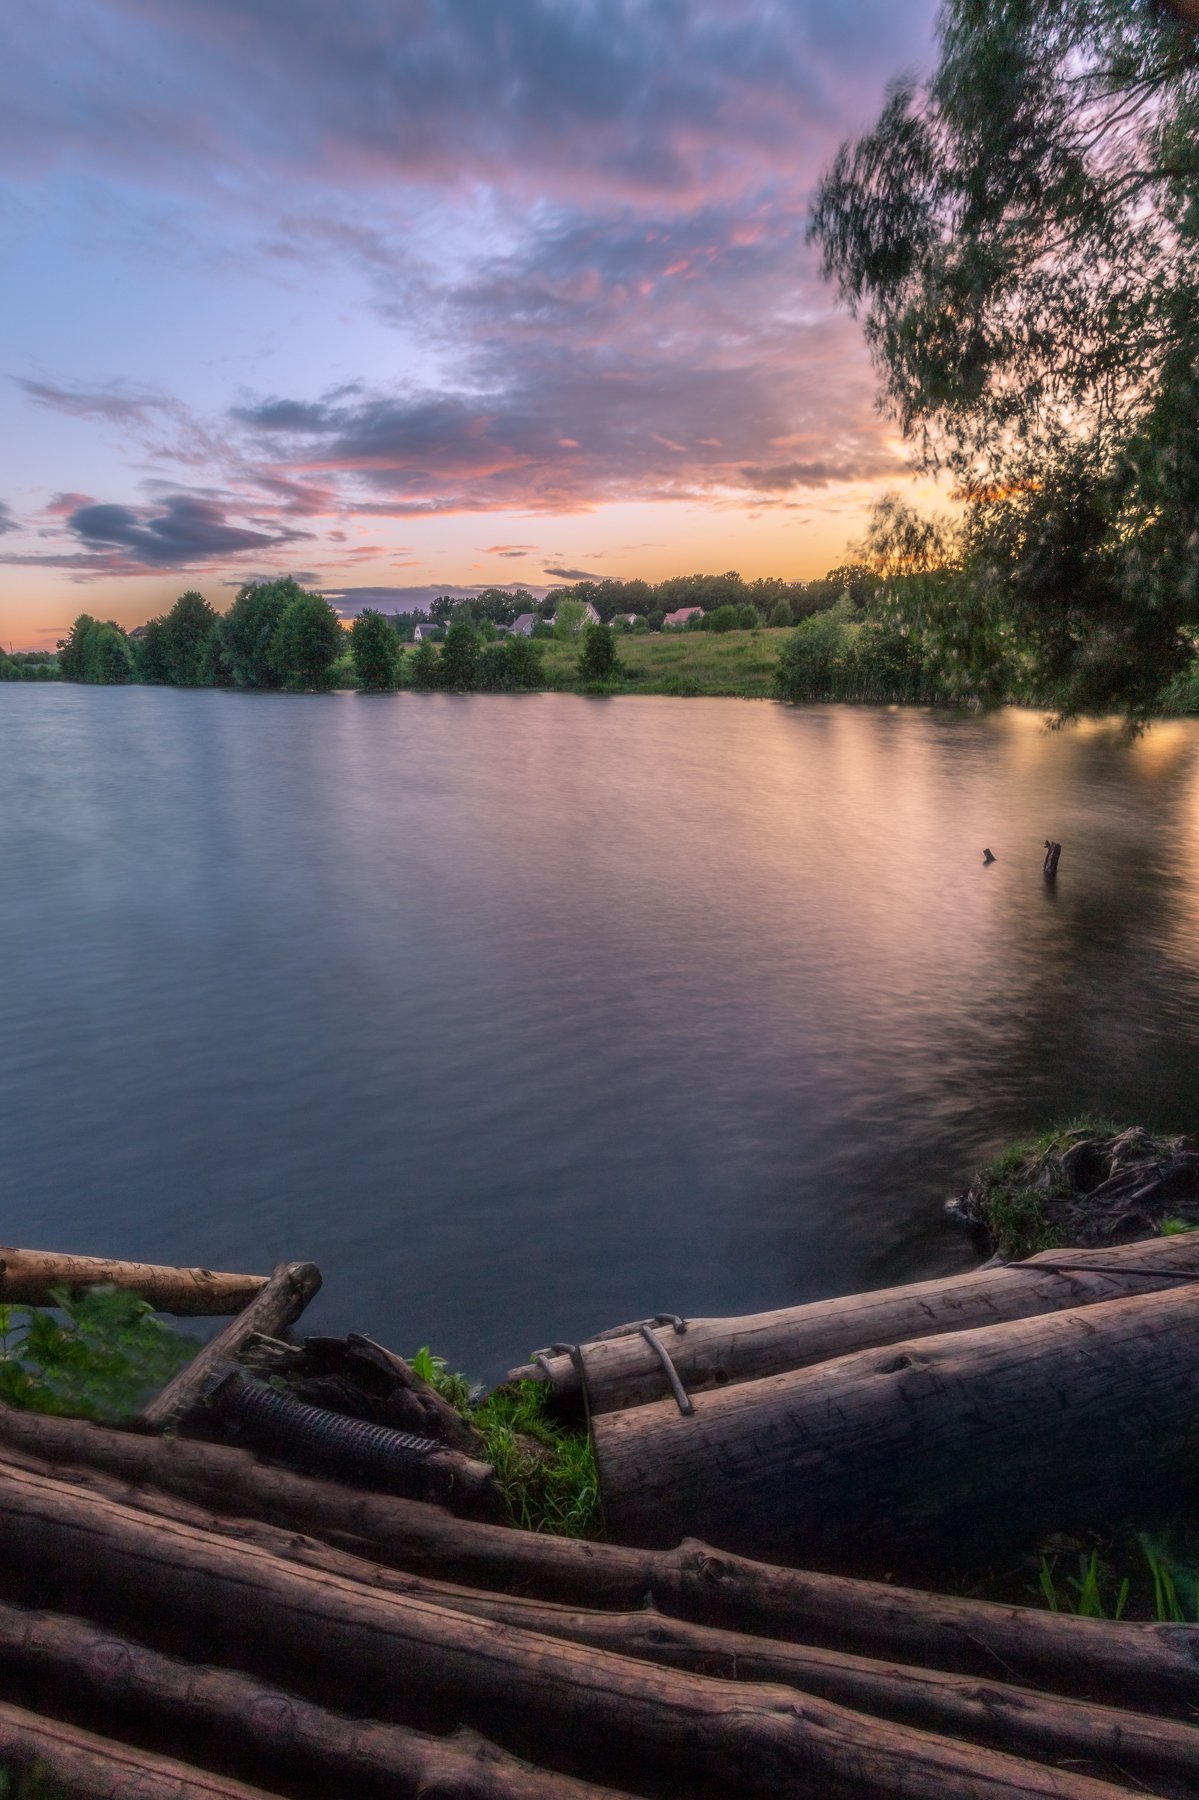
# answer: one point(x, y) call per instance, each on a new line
point(545, 1470)
point(1158, 1571)
point(683, 664)
point(1009, 1201)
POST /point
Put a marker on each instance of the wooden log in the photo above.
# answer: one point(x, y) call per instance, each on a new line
point(979, 1440)
point(621, 1369)
point(722, 1738)
point(96, 1768)
point(985, 1711)
point(250, 1718)
point(29, 1277)
point(1085, 1657)
point(278, 1305)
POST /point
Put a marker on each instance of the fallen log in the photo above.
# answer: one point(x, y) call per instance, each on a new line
point(576, 1704)
point(96, 1768)
point(621, 1369)
point(29, 1278)
point(276, 1306)
point(1086, 1657)
point(986, 1711)
point(250, 1718)
point(982, 1439)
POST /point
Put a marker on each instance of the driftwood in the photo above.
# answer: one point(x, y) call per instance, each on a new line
point(246, 1717)
point(278, 1305)
point(1156, 1663)
point(96, 1768)
point(29, 1277)
point(622, 1370)
point(983, 1438)
point(575, 1703)
point(1024, 1723)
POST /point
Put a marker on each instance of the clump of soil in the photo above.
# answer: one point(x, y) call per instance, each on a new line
point(1084, 1187)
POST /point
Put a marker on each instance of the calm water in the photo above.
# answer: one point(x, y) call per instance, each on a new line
point(523, 1016)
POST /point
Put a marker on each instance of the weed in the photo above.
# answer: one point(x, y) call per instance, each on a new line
point(545, 1470)
point(1087, 1599)
point(1010, 1195)
point(100, 1356)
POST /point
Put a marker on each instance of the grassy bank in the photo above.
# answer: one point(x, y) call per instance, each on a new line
point(739, 664)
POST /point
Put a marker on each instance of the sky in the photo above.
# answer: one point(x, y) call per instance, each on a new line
point(403, 296)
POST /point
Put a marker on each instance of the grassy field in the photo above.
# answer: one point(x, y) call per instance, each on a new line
point(683, 663)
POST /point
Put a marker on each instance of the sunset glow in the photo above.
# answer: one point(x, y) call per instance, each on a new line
point(429, 296)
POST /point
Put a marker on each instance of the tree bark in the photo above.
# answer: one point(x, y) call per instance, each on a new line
point(96, 1768)
point(28, 1278)
point(575, 1703)
point(992, 1712)
point(980, 1440)
point(247, 1717)
point(621, 1370)
point(1087, 1657)
point(278, 1305)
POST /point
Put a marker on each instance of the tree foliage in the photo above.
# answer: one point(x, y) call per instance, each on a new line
point(96, 651)
point(1021, 238)
point(248, 629)
point(308, 640)
point(376, 650)
point(597, 658)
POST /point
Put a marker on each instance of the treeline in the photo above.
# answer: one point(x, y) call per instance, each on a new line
point(28, 665)
point(275, 635)
point(729, 602)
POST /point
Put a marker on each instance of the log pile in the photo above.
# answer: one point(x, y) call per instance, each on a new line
point(180, 1619)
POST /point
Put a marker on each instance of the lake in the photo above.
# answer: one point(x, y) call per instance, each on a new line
point(527, 1015)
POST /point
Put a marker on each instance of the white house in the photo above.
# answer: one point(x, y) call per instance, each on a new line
point(683, 615)
point(524, 624)
point(426, 634)
point(629, 619)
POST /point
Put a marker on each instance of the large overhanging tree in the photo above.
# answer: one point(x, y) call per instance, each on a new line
point(1020, 235)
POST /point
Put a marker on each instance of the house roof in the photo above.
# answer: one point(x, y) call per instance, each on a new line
point(682, 614)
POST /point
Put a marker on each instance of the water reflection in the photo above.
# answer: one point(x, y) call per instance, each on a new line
point(522, 1015)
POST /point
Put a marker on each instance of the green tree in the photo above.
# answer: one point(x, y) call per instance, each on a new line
point(72, 650)
point(780, 615)
point(597, 658)
point(811, 659)
point(248, 629)
point(1021, 237)
point(423, 668)
point(376, 651)
point(725, 618)
point(524, 663)
point(459, 658)
point(183, 637)
point(569, 619)
point(748, 617)
point(153, 663)
point(308, 641)
point(96, 651)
